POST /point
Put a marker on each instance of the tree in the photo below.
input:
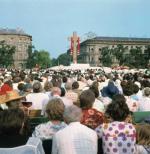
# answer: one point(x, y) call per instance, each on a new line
point(147, 56)
point(40, 58)
point(54, 62)
point(106, 56)
point(64, 59)
point(119, 53)
point(136, 57)
point(43, 59)
point(29, 63)
point(6, 54)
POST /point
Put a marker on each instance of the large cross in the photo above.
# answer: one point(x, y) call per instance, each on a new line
point(74, 47)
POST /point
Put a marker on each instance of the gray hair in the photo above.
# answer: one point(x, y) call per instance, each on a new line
point(37, 87)
point(147, 91)
point(72, 114)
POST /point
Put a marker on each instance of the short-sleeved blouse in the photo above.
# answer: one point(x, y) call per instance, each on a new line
point(118, 137)
point(47, 130)
point(92, 118)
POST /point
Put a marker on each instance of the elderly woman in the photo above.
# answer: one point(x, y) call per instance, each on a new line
point(118, 135)
point(91, 117)
point(54, 110)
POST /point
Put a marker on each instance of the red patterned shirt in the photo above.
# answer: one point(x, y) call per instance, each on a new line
point(92, 118)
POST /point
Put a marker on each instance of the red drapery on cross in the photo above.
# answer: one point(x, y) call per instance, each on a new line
point(71, 49)
point(78, 46)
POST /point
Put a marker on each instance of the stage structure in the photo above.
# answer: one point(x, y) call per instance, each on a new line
point(75, 47)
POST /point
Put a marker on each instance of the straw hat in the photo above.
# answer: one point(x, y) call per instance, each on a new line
point(10, 96)
point(2, 99)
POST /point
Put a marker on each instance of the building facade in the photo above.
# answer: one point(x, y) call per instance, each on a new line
point(21, 41)
point(90, 49)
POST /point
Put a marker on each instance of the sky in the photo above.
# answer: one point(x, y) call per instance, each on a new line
point(52, 22)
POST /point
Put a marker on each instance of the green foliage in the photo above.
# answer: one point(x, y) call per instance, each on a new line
point(64, 59)
point(132, 58)
point(30, 61)
point(43, 59)
point(40, 58)
point(119, 53)
point(136, 57)
point(147, 56)
point(6, 54)
point(106, 57)
point(54, 62)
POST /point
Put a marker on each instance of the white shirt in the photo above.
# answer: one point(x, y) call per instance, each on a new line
point(67, 102)
point(133, 105)
point(47, 130)
point(38, 100)
point(98, 105)
point(141, 150)
point(144, 104)
point(75, 139)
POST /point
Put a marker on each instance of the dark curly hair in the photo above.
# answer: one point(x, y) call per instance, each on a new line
point(128, 89)
point(75, 85)
point(118, 109)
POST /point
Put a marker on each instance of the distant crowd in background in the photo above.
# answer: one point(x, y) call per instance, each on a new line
point(82, 107)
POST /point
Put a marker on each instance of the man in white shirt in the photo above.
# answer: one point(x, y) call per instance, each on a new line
point(38, 98)
point(75, 138)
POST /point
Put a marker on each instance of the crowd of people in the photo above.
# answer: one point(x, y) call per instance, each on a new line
point(81, 107)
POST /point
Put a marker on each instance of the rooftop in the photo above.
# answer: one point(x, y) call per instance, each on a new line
point(120, 39)
point(17, 31)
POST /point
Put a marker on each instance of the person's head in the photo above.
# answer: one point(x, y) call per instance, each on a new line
point(21, 86)
point(56, 91)
point(95, 91)
point(147, 91)
point(55, 109)
point(75, 85)
point(27, 80)
point(118, 109)
point(64, 79)
point(48, 86)
point(143, 134)
point(12, 99)
point(128, 89)
point(91, 77)
point(135, 88)
point(28, 87)
point(68, 85)
point(95, 84)
point(37, 87)
point(11, 121)
point(17, 79)
point(72, 114)
point(145, 83)
point(87, 99)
